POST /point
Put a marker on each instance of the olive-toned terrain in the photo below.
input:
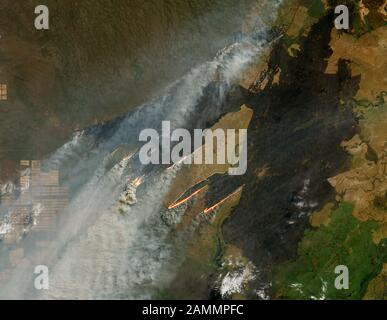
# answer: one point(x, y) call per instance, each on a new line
point(99, 60)
point(314, 196)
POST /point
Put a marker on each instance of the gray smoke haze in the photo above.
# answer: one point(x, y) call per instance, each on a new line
point(98, 252)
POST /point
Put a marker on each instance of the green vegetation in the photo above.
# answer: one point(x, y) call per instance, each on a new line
point(288, 41)
point(361, 27)
point(316, 8)
point(379, 102)
point(345, 241)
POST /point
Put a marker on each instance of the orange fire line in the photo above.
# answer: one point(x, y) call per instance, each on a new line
point(221, 201)
point(136, 182)
point(172, 206)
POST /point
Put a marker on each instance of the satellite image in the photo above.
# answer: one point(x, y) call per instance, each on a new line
point(222, 150)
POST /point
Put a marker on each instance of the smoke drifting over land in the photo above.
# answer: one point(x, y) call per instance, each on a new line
point(100, 251)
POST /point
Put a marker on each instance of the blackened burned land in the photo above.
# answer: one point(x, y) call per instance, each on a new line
point(296, 133)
